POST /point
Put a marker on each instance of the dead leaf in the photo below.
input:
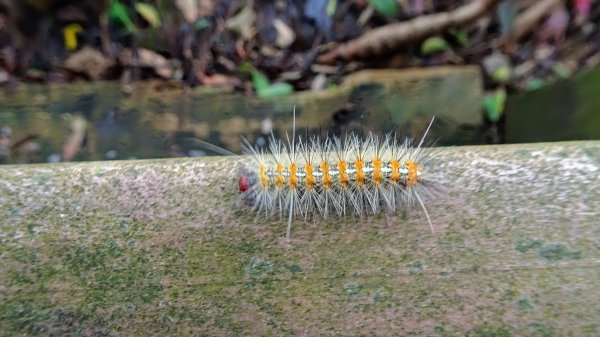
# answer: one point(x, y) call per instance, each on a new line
point(243, 22)
point(285, 35)
point(189, 9)
point(148, 58)
point(219, 80)
point(88, 61)
point(73, 144)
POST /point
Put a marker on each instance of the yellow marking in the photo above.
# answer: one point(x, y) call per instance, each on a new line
point(344, 177)
point(395, 174)
point(279, 180)
point(327, 181)
point(262, 174)
point(293, 179)
point(377, 174)
point(360, 175)
point(412, 173)
point(310, 179)
point(70, 35)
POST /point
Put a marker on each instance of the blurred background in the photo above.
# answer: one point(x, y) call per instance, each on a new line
point(124, 79)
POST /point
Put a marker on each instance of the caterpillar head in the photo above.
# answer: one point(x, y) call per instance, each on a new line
point(246, 181)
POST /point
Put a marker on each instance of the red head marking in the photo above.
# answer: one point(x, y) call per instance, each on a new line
point(244, 183)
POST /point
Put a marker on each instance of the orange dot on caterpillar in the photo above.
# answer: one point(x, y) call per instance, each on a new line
point(354, 175)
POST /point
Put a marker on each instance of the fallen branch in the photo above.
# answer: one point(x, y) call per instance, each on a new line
point(395, 35)
point(530, 18)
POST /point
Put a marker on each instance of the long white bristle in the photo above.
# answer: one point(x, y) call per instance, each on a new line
point(302, 177)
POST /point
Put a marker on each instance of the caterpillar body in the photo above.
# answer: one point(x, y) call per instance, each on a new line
point(334, 176)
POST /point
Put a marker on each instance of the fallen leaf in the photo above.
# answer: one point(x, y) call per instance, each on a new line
point(148, 58)
point(75, 140)
point(276, 90)
point(118, 12)
point(433, 45)
point(285, 35)
point(494, 104)
point(243, 22)
point(219, 80)
point(88, 61)
point(387, 8)
point(149, 13)
point(188, 8)
point(70, 32)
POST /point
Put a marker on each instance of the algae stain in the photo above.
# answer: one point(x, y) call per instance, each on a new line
point(540, 329)
point(415, 267)
point(258, 269)
point(592, 154)
point(491, 331)
point(293, 268)
point(25, 315)
point(31, 228)
point(381, 296)
point(352, 290)
point(555, 252)
point(524, 304)
point(132, 172)
point(42, 178)
point(525, 244)
point(113, 274)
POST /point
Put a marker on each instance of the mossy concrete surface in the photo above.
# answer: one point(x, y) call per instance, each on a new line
point(164, 247)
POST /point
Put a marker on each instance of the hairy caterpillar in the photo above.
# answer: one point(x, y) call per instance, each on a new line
point(333, 176)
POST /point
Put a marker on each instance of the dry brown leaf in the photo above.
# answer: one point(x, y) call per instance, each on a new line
point(189, 9)
point(285, 35)
point(243, 22)
point(88, 61)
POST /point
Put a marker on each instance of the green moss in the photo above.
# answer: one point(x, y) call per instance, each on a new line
point(113, 273)
point(540, 330)
point(42, 179)
point(258, 269)
point(525, 244)
point(293, 268)
point(491, 331)
point(524, 304)
point(554, 252)
point(26, 315)
point(591, 329)
point(352, 291)
point(175, 260)
point(132, 172)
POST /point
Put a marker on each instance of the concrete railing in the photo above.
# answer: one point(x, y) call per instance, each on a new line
point(164, 247)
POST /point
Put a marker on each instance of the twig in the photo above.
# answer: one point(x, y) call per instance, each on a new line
point(395, 35)
point(531, 16)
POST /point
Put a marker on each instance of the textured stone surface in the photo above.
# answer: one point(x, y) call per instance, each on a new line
point(163, 247)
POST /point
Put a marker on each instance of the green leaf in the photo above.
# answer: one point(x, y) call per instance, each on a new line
point(433, 45)
point(275, 90)
point(259, 81)
point(331, 7)
point(263, 88)
point(561, 71)
point(387, 8)
point(534, 84)
point(461, 36)
point(501, 74)
point(149, 13)
point(201, 24)
point(118, 12)
point(494, 105)
point(246, 67)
